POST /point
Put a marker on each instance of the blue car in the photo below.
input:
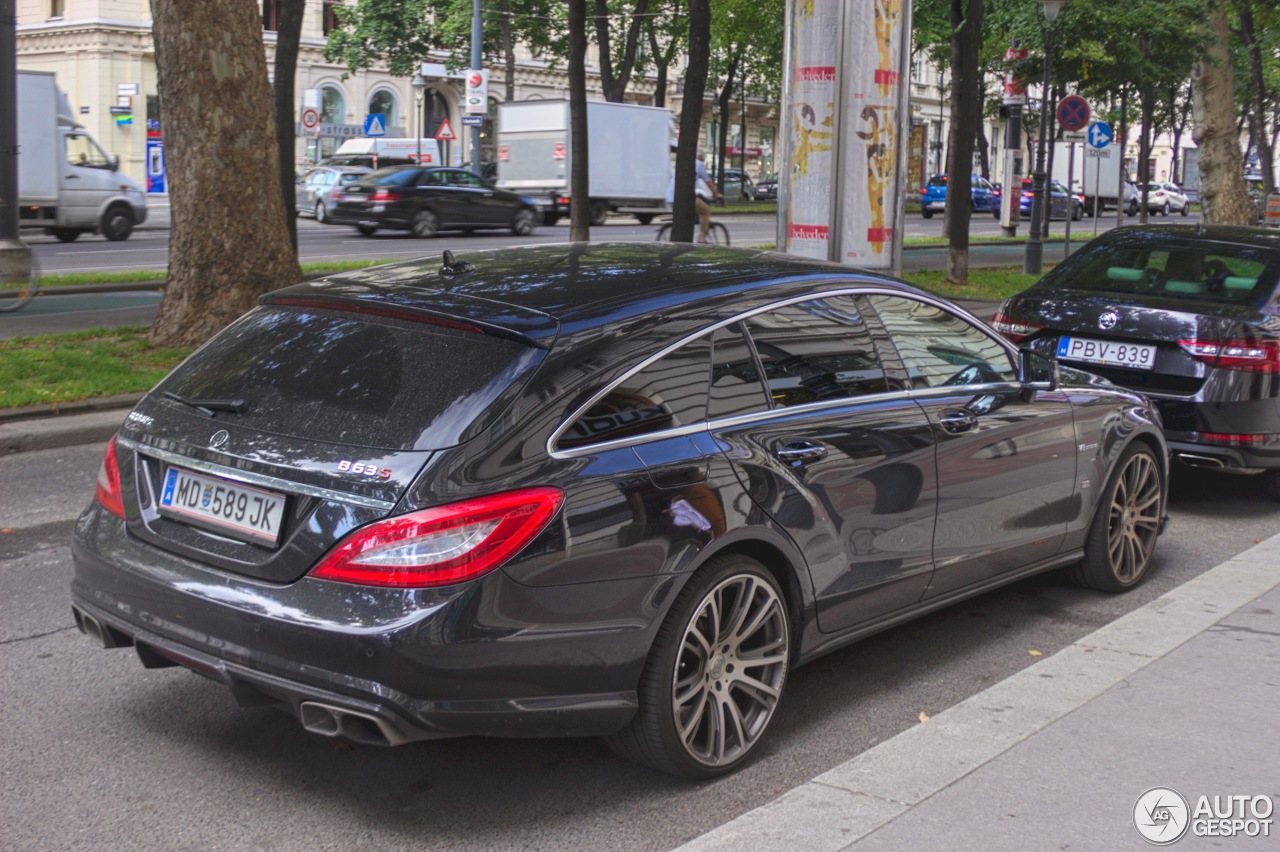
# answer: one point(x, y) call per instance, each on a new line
point(1061, 203)
point(934, 195)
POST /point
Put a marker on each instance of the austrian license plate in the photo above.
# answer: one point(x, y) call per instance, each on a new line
point(1134, 356)
point(243, 512)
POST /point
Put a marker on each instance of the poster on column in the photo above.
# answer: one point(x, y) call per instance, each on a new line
point(872, 138)
point(809, 133)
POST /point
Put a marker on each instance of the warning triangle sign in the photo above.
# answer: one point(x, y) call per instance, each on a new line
point(445, 133)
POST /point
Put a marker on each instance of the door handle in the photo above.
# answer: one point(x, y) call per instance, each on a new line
point(799, 452)
point(956, 421)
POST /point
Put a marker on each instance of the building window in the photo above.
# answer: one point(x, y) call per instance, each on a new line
point(57, 8)
point(384, 102)
point(329, 19)
point(333, 106)
point(270, 15)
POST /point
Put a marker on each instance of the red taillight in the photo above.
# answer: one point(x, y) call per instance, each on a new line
point(924, 190)
point(444, 544)
point(335, 196)
point(1015, 331)
point(384, 196)
point(108, 491)
point(1250, 356)
point(1236, 440)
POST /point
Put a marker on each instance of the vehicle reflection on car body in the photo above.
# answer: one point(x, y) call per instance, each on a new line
point(596, 489)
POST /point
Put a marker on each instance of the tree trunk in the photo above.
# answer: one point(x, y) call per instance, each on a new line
point(660, 63)
point(580, 174)
point(725, 101)
point(695, 87)
point(1257, 92)
point(1223, 198)
point(615, 84)
point(228, 244)
point(288, 38)
point(508, 49)
point(1124, 147)
point(966, 117)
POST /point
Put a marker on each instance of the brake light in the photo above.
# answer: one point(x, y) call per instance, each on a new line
point(1015, 331)
point(924, 190)
point(444, 544)
point(107, 492)
point(1234, 439)
point(384, 196)
point(336, 195)
point(1250, 356)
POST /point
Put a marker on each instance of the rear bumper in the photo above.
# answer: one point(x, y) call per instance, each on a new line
point(378, 666)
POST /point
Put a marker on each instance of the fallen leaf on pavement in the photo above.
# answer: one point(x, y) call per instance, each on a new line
point(924, 717)
point(1035, 653)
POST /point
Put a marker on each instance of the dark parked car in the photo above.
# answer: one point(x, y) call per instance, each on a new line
point(767, 188)
point(593, 489)
point(737, 185)
point(933, 195)
point(426, 200)
point(1062, 203)
point(1188, 316)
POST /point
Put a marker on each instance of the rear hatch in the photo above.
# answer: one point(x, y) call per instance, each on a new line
point(1148, 316)
point(311, 415)
point(380, 188)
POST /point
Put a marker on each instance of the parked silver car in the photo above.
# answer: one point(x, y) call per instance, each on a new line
point(1165, 197)
point(315, 188)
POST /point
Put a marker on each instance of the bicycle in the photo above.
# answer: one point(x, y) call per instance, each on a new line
point(18, 275)
point(717, 234)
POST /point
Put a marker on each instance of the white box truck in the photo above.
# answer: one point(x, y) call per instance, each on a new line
point(376, 152)
point(629, 151)
point(67, 185)
point(1096, 174)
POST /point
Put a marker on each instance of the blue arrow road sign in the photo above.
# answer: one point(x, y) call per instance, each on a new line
point(1099, 135)
point(375, 124)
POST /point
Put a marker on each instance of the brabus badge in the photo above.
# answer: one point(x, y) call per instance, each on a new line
point(1108, 320)
point(219, 438)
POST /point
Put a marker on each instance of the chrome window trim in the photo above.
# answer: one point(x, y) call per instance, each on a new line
point(744, 419)
point(251, 478)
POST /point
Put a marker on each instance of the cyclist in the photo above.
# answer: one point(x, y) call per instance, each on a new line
point(706, 191)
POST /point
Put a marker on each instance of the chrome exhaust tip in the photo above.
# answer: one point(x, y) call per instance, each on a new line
point(1193, 460)
point(357, 726)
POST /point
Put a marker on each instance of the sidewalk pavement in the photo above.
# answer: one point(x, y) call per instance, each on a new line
point(1180, 694)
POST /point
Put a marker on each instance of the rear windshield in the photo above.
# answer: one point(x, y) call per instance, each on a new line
point(1210, 272)
point(938, 180)
point(355, 379)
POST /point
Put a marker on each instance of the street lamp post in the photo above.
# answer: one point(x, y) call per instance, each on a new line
point(419, 84)
point(1033, 261)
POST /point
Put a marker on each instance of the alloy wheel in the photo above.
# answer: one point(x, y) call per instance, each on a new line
point(1134, 518)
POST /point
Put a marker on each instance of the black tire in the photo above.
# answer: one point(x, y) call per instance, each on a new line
point(1272, 484)
point(664, 234)
point(645, 218)
point(1077, 212)
point(926, 213)
point(1164, 211)
point(117, 223)
point(66, 235)
point(995, 211)
point(598, 212)
point(1132, 209)
point(718, 234)
point(425, 223)
point(1125, 525)
point(705, 705)
point(322, 215)
point(1186, 208)
point(524, 223)
point(549, 219)
point(367, 230)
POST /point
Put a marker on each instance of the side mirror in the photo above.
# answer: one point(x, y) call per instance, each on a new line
point(115, 162)
point(1037, 370)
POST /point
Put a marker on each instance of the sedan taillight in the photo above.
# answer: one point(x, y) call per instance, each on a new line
point(444, 544)
point(1015, 331)
point(1250, 356)
point(384, 196)
point(107, 492)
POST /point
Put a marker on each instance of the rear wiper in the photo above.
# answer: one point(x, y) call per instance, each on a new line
point(210, 406)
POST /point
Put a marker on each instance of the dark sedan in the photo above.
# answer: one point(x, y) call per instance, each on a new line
point(427, 200)
point(1189, 316)
point(593, 489)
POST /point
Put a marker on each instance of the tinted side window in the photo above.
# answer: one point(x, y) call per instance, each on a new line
point(669, 393)
point(815, 351)
point(735, 377)
point(940, 348)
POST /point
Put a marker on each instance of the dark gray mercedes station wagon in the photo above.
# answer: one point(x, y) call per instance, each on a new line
point(593, 489)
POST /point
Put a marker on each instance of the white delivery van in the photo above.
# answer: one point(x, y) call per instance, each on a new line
point(375, 153)
point(67, 185)
point(629, 158)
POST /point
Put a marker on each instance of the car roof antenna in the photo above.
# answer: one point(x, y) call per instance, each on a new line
point(452, 267)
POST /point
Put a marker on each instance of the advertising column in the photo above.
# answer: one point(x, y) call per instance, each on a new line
point(847, 123)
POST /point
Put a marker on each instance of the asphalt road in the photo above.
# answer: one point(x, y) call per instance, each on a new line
point(103, 754)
